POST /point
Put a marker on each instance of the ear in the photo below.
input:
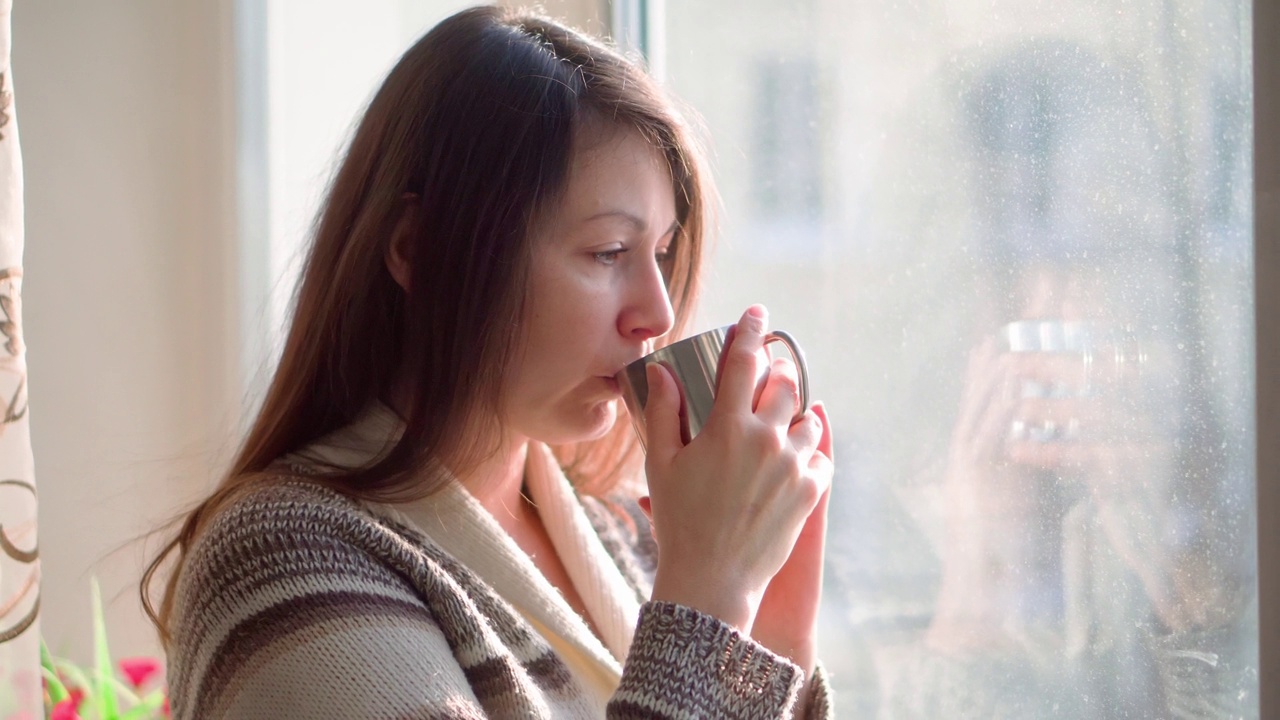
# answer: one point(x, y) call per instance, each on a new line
point(399, 255)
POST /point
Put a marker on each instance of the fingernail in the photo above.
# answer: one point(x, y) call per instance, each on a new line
point(755, 317)
point(653, 376)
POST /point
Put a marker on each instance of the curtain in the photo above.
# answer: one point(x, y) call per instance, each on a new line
point(20, 688)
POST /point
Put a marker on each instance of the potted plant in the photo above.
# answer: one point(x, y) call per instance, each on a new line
point(123, 690)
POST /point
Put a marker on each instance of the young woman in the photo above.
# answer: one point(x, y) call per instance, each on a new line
point(435, 513)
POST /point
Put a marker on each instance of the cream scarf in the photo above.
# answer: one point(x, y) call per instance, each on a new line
point(461, 526)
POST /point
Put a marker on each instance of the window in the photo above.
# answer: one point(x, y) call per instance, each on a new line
point(1015, 240)
point(306, 73)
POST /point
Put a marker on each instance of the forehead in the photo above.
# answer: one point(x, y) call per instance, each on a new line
point(614, 167)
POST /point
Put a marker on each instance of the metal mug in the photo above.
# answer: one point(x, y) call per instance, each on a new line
point(1050, 336)
point(695, 364)
point(1107, 357)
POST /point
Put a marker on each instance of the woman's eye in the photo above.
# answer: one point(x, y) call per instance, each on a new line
point(663, 255)
point(608, 257)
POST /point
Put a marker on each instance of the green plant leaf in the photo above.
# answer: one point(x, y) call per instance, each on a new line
point(123, 692)
point(108, 707)
point(57, 691)
point(70, 671)
point(147, 708)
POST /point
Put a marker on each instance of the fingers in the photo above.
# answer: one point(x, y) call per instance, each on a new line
point(1046, 375)
point(805, 434)
point(822, 461)
point(822, 470)
point(827, 442)
point(1012, 398)
point(991, 431)
point(985, 379)
point(741, 364)
point(780, 400)
point(662, 415)
point(646, 506)
point(812, 438)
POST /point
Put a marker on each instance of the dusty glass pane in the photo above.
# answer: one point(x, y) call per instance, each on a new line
point(1015, 240)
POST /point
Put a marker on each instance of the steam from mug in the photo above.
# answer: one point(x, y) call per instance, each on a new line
point(695, 363)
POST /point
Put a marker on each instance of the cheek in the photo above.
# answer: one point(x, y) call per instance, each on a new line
point(558, 340)
point(568, 302)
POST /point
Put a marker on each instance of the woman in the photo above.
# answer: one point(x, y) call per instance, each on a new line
point(520, 214)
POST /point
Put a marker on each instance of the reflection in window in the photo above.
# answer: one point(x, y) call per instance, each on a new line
point(1026, 301)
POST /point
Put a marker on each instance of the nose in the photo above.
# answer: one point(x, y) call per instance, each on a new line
point(646, 314)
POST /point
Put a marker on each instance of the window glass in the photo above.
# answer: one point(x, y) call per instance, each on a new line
point(321, 71)
point(1014, 238)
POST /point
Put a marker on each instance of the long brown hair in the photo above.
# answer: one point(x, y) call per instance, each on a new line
point(470, 135)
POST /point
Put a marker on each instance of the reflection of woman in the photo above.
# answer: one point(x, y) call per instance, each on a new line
point(1074, 582)
point(396, 538)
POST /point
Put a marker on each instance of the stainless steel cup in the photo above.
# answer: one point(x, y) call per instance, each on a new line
point(1052, 337)
point(1108, 359)
point(695, 363)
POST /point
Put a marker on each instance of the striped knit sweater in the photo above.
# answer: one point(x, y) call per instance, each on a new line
point(298, 602)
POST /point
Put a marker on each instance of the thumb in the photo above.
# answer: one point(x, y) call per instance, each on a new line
point(662, 415)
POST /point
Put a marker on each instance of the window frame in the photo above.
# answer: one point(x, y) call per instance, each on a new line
point(1266, 245)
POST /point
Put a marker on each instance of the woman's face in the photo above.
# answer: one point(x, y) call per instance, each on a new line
point(597, 295)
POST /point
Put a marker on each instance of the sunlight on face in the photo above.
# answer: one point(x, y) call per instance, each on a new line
point(597, 295)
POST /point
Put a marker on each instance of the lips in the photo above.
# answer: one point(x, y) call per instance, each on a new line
point(612, 379)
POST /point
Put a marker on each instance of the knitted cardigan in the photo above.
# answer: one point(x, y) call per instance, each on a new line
point(298, 602)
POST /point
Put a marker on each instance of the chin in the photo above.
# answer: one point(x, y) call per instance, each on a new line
point(592, 424)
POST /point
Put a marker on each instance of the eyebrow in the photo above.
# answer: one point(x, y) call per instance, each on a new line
point(634, 220)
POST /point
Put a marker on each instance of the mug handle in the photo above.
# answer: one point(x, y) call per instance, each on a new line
point(798, 355)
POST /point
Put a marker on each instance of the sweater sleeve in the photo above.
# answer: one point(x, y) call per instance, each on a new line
point(279, 616)
point(354, 666)
point(685, 664)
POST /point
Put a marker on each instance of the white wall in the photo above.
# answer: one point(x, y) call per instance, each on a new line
point(126, 116)
point(133, 291)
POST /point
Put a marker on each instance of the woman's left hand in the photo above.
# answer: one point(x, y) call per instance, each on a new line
point(787, 621)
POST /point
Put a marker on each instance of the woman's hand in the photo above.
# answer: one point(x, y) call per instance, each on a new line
point(1007, 488)
point(787, 622)
point(990, 500)
point(729, 506)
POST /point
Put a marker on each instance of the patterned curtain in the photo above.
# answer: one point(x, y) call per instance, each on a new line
point(20, 691)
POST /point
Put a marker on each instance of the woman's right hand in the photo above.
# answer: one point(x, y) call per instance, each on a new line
point(728, 506)
point(1007, 491)
point(990, 498)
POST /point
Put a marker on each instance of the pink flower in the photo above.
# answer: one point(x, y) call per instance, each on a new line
point(166, 706)
point(139, 670)
point(76, 696)
point(65, 710)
